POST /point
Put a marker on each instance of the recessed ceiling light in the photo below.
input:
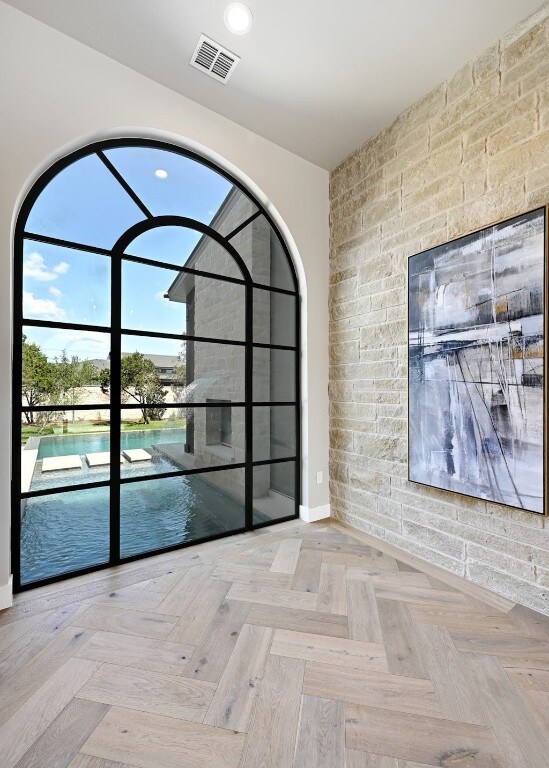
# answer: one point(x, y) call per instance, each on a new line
point(160, 173)
point(238, 18)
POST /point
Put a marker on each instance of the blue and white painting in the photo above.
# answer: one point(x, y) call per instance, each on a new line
point(476, 364)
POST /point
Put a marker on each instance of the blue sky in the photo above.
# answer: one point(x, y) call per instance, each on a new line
point(86, 204)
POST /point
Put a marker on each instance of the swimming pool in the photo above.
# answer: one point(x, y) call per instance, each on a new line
point(67, 531)
point(64, 532)
point(95, 442)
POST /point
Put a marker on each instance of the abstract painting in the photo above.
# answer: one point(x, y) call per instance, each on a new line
point(476, 363)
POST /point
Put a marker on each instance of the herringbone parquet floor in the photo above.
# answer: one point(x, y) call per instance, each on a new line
point(298, 646)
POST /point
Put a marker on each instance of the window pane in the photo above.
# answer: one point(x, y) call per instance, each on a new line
point(274, 318)
point(263, 254)
point(156, 299)
point(64, 449)
point(185, 371)
point(85, 204)
point(184, 187)
point(274, 432)
point(64, 285)
point(274, 375)
point(187, 248)
point(274, 491)
point(64, 532)
point(64, 368)
point(166, 512)
point(182, 438)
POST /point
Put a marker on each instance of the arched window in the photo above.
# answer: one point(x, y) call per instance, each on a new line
point(156, 350)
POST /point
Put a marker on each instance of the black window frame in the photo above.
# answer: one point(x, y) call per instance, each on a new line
point(117, 254)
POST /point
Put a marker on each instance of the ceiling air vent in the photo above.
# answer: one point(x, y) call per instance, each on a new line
point(213, 59)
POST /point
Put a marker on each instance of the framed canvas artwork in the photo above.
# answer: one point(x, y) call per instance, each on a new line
point(477, 320)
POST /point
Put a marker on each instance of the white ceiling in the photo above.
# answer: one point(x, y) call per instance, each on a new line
point(318, 77)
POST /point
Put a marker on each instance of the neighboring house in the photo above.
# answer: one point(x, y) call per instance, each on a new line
point(165, 365)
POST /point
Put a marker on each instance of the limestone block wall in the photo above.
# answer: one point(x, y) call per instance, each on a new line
point(473, 151)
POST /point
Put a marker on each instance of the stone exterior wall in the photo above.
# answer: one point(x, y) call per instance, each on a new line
point(473, 151)
point(219, 312)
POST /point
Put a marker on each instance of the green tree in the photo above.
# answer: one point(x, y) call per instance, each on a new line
point(39, 380)
point(139, 381)
point(73, 375)
point(179, 381)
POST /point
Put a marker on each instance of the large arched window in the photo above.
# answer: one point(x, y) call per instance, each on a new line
point(156, 361)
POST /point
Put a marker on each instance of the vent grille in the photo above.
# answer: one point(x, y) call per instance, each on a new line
point(214, 60)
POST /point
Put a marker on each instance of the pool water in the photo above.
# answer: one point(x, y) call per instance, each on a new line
point(95, 442)
point(68, 531)
point(64, 532)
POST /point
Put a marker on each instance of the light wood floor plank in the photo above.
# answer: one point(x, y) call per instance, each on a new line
point(537, 703)
point(62, 739)
point(88, 761)
point(461, 584)
point(321, 735)
point(420, 595)
point(129, 597)
point(195, 620)
point(332, 589)
point(356, 759)
point(27, 724)
point(18, 688)
point(232, 704)
point(370, 688)
point(210, 658)
point(183, 593)
point(523, 743)
point(12, 632)
point(142, 623)
point(438, 671)
point(421, 739)
point(273, 727)
point(153, 692)
point(154, 741)
point(314, 622)
point(307, 572)
point(329, 650)
point(356, 561)
point(287, 555)
point(467, 620)
point(398, 579)
point(529, 622)
point(362, 612)
point(282, 598)
point(239, 571)
point(529, 679)
point(399, 639)
point(135, 651)
point(450, 675)
point(25, 647)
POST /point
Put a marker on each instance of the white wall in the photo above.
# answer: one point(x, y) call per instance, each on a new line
point(55, 94)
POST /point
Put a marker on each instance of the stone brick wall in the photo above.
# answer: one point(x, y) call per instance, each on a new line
point(219, 312)
point(473, 151)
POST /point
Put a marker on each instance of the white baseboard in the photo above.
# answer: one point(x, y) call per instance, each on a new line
point(312, 514)
point(6, 595)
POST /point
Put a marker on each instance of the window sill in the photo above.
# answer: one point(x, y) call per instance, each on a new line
point(221, 451)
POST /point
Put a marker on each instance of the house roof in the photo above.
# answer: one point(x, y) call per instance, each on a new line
point(217, 219)
point(160, 361)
